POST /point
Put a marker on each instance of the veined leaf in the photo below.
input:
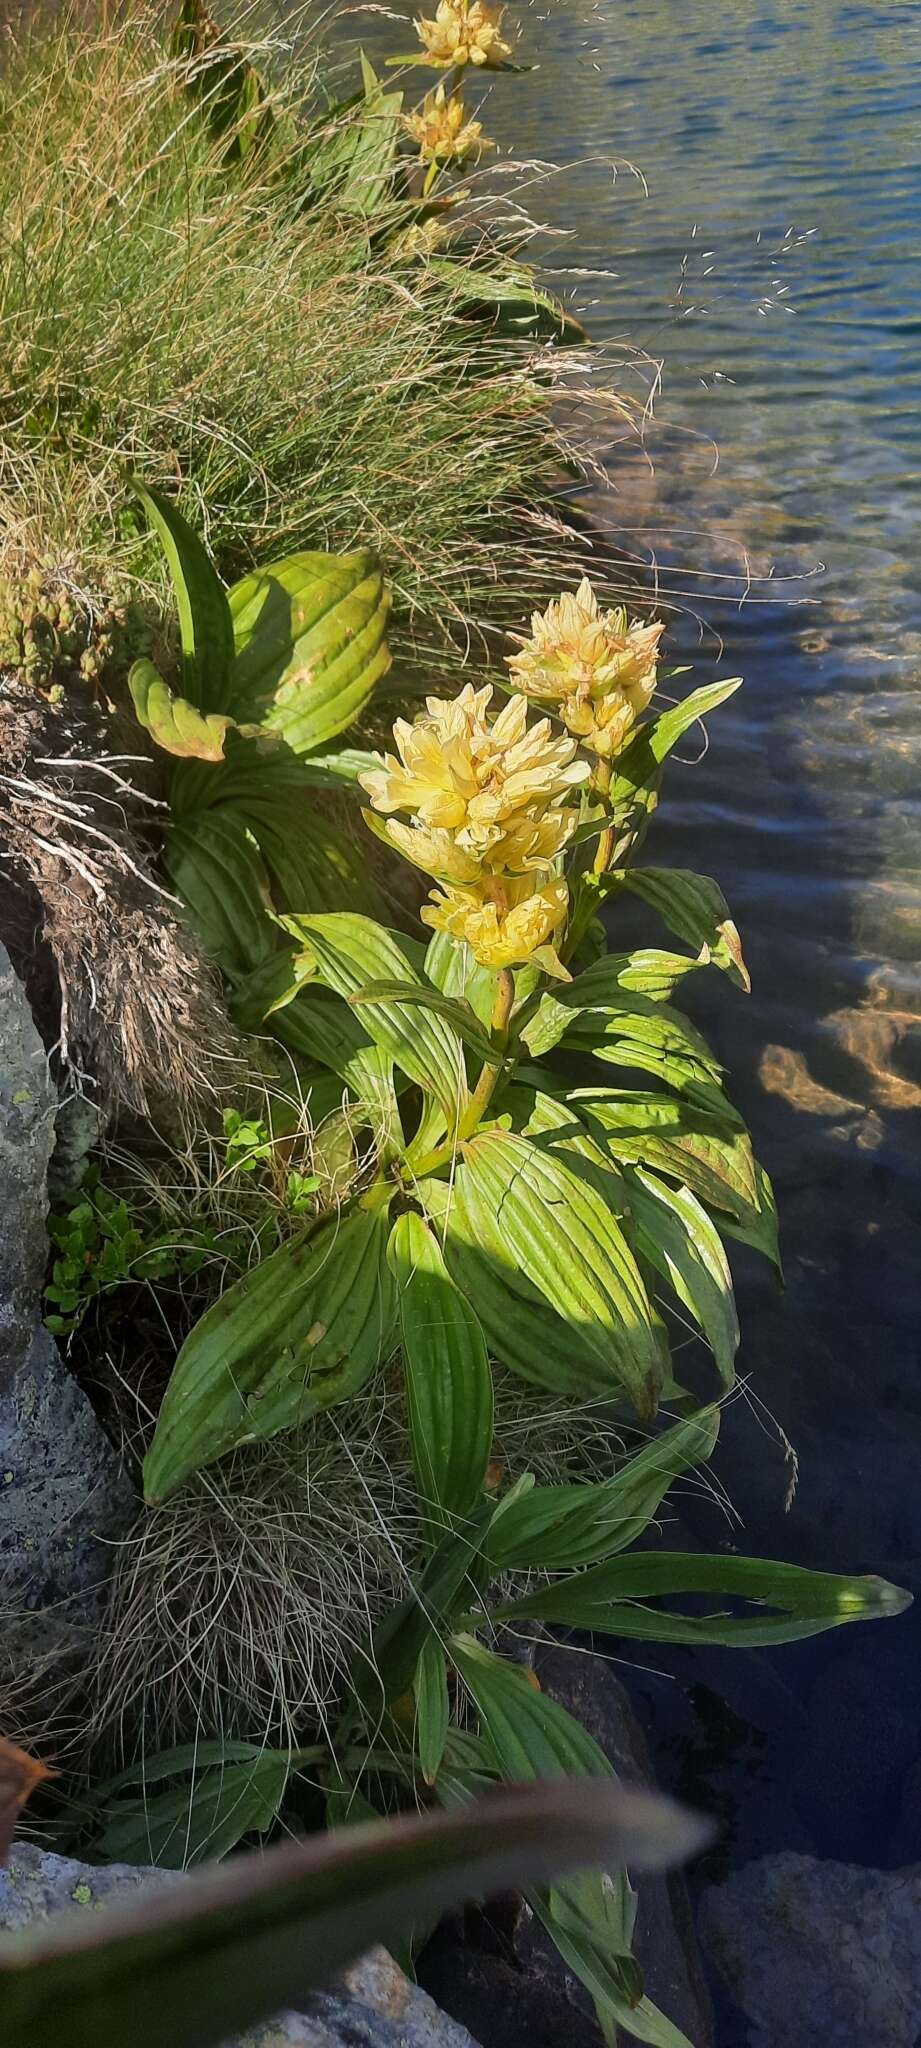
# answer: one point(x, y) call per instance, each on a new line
point(789, 1602)
point(319, 1024)
point(310, 645)
point(693, 907)
point(216, 869)
point(714, 1159)
point(205, 624)
point(270, 988)
point(759, 1227)
point(512, 294)
point(597, 1000)
point(314, 867)
point(674, 1234)
point(448, 1582)
point(448, 1381)
point(558, 1528)
point(654, 740)
point(531, 1736)
point(430, 1688)
point(456, 1012)
point(200, 1822)
point(207, 1959)
point(522, 1332)
point(558, 1228)
point(453, 969)
point(301, 1331)
point(654, 1039)
point(172, 721)
point(353, 951)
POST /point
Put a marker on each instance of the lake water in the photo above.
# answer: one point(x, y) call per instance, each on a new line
point(770, 261)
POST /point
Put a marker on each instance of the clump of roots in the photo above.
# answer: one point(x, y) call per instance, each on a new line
point(135, 1007)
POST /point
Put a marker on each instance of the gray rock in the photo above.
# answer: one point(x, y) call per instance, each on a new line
point(63, 1494)
point(812, 1951)
point(372, 2006)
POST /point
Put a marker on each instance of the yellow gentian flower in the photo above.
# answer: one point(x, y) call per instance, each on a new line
point(599, 669)
point(506, 922)
point(443, 131)
point(464, 32)
point(461, 772)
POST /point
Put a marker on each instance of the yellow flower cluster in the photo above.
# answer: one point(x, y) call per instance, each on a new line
point(464, 32)
point(597, 669)
point(443, 132)
point(486, 800)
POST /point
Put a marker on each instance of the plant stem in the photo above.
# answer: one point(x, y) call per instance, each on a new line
point(605, 847)
point(485, 1087)
point(483, 1092)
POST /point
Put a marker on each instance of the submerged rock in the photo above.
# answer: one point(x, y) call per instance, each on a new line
point(63, 1493)
point(371, 2006)
point(813, 1951)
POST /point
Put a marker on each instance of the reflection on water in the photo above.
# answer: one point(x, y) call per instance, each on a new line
point(770, 260)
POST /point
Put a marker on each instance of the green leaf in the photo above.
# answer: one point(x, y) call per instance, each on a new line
point(558, 1528)
point(448, 1381)
point(430, 1688)
point(351, 952)
point(638, 770)
point(714, 1159)
point(522, 1332)
point(271, 987)
point(586, 1925)
point(207, 1960)
point(789, 1602)
point(172, 721)
point(608, 991)
point(693, 907)
point(302, 1330)
point(558, 1228)
point(448, 1582)
point(200, 1822)
point(759, 1227)
point(531, 1736)
point(458, 1014)
point(318, 1024)
point(205, 624)
point(313, 866)
point(674, 1234)
point(310, 645)
point(215, 867)
point(453, 969)
point(512, 293)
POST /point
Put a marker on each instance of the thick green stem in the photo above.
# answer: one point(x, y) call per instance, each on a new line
point(485, 1087)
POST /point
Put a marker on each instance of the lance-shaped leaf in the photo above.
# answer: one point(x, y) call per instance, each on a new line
point(605, 996)
point(172, 721)
point(559, 1229)
point(512, 296)
point(653, 1038)
point(313, 866)
point(217, 870)
point(318, 1024)
point(351, 952)
point(758, 1228)
point(205, 1960)
point(456, 1012)
point(430, 1691)
point(674, 1234)
point(201, 1822)
point(448, 1381)
point(453, 969)
point(711, 1157)
point(310, 645)
point(531, 1736)
point(301, 1331)
point(522, 1332)
point(638, 770)
point(451, 1578)
point(559, 1528)
point(694, 907)
point(787, 1601)
point(205, 623)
